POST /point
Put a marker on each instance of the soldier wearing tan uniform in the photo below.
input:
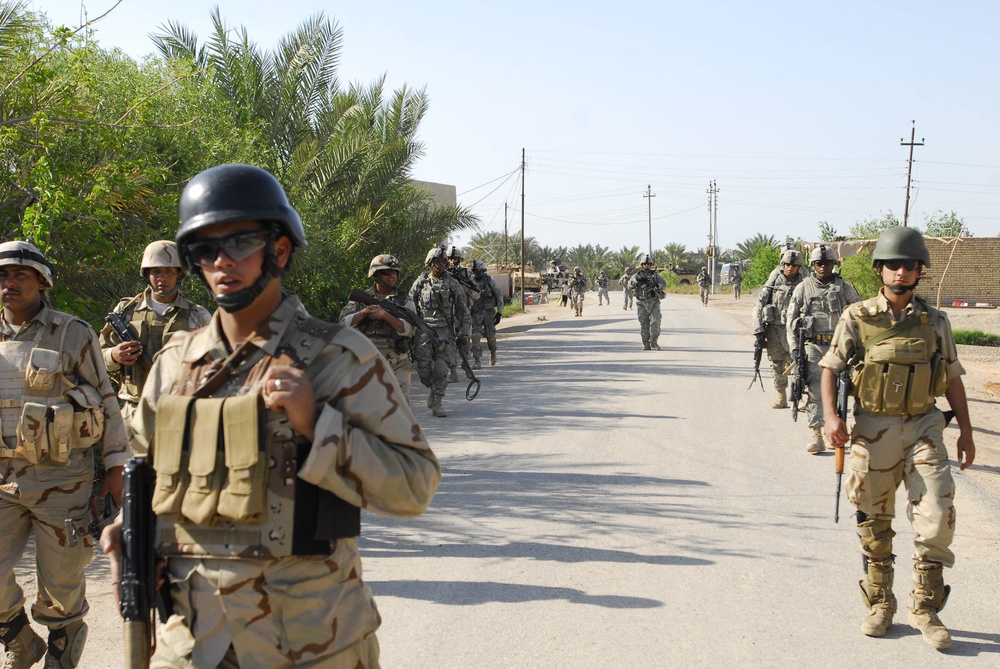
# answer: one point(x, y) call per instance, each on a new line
point(260, 540)
point(57, 405)
point(902, 356)
point(155, 315)
point(393, 337)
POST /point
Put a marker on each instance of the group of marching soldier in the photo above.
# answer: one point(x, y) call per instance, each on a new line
point(894, 354)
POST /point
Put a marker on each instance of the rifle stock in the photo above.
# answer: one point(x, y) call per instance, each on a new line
point(125, 332)
point(843, 394)
point(138, 568)
point(801, 373)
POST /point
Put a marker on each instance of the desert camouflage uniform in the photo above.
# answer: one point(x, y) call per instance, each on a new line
point(769, 318)
point(490, 301)
point(578, 290)
point(648, 287)
point(441, 303)
point(602, 282)
point(817, 307)
point(153, 331)
point(288, 590)
point(887, 450)
point(48, 499)
point(626, 283)
point(395, 347)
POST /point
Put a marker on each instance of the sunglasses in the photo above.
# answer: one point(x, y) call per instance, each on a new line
point(387, 272)
point(824, 263)
point(236, 246)
point(894, 265)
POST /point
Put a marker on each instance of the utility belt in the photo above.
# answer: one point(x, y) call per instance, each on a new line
point(48, 432)
point(823, 339)
point(221, 476)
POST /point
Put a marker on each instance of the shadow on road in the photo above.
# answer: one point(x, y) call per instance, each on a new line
point(464, 593)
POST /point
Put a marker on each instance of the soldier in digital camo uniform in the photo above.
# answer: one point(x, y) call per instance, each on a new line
point(156, 314)
point(487, 310)
point(902, 355)
point(602, 282)
point(440, 301)
point(626, 283)
point(816, 306)
point(704, 282)
point(578, 290)
point(260, 545)
point(393, 337)
point(769, 318)
point(464, 279)
point(648, 287)
point(57, 405)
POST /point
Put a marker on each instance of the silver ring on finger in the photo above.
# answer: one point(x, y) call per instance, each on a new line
point(277, 385)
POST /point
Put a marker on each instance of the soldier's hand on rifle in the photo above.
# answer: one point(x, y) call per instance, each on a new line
point(113, 484)
point(288, 390)
point(126, 353)
point(836, 430)
point(111, 544)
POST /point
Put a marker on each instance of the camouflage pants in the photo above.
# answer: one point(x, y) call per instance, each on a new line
point(778, 354)
point(578, 301)
point(629, 298)
point(51, 501)
point(602, 294)
point(889, 450)
point(649, 320)
point(403, 369)
point(814, 403)
point(482, 326)
point(433, 359)
point(703, 292)
point(263, 614)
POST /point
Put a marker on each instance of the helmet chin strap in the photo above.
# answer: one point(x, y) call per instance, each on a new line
point(242, 299)
point(164, 295)
point(902, 290)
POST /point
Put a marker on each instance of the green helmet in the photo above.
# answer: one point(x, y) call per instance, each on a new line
point(901, 244)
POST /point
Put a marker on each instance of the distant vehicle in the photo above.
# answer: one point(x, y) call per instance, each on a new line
point(685, 276)
point(728, 271)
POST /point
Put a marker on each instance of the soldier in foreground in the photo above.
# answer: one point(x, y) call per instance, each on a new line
point(262, 560)
point(813, 313)
point(58, 406)
point(769, 318)
point(440, 301)
point(649, 287)
point(487, 311)
point(155, 315)
point(626, 283)
point(602, 282)
point(704, 282)
point(392, 336)
point(578, 290)
point(903, 356)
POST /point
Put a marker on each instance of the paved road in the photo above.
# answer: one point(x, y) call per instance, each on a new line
point(604, 506)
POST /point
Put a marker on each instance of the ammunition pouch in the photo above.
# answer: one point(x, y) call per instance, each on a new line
point(900, 375)
point(770, 315)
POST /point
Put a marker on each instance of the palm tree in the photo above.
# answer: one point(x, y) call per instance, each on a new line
point(750, 247)
point(674, 255)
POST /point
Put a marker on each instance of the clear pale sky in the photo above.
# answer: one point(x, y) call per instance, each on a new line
point(795, 109)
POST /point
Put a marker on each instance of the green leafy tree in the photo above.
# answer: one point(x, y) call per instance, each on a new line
point(620, 259)
point(762, 263)
point(675, 255)
point(750, 247)
point(828, 233)
point(857, 270)
point(589, 258)
point(941, 224)
point(871, 228)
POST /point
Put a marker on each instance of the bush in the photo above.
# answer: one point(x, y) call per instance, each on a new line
point(762, 263)
point(857, 270)
point(976, 338)
point(514, 306)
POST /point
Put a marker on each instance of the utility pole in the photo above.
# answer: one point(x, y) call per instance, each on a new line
point(522, 228)
point(649, 195)
point(505, 236)
point(713, 204)
point(909, 167)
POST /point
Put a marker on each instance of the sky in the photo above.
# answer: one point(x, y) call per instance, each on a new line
point(796, 111)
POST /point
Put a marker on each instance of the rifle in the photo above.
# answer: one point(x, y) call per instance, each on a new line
point(758, 352)
point(138, 568)
point(801, 373)
point(402, 313)
point(463, 278)
point(126, 332)
point(843, 393)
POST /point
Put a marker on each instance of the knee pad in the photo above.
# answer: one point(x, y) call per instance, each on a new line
point(10, 630)
point(876, 537)
point(66, 644)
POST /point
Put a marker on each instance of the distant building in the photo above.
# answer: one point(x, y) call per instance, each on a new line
point(443, 193)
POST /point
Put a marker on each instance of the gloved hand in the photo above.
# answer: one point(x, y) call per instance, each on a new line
point(761, 340)
point(496, 318)
point(462, 341)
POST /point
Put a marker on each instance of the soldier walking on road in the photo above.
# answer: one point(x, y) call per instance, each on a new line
point(57, 408)
point(903, 356)
point(392, 336)
point(769, 318)
point(487, 311)
point(440, 301)
point(649, 287)
point(262, 560)
point(737, 279)
point(704, 281)
point(813, 313)
point(461, 274)
point(155, 314)
point(602, 289)
point(626, 283)
point(578, 289)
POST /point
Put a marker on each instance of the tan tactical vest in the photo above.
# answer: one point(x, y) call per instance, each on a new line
point(43, 414)
point(821, 306)
point(773, 312)
point(902, 370)
point(226, 483)
point(392, 345)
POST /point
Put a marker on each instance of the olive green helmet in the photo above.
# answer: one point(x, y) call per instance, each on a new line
point(901, 244)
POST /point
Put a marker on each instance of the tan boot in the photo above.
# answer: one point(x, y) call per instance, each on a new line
point(876, 592)
point(430, 400)
point(436, 407)
point(928, 597)
point(24, 647)
point(782, 402)
point(816, 445)
point(654, 345)
point(493, 358)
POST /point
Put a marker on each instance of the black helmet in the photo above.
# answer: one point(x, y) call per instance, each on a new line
point(227, 193)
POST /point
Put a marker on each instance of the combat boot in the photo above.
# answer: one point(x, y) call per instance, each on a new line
point(476, 364)
point(436, 407)
point(654, 345)
point(646, 346)
point(430, 400)
point(876, 591)
point(929, 596)
point(23, 647)
point(782, 402)
point(453, 375)
point(66, 646)
point(493, 357)
point(816, 445)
